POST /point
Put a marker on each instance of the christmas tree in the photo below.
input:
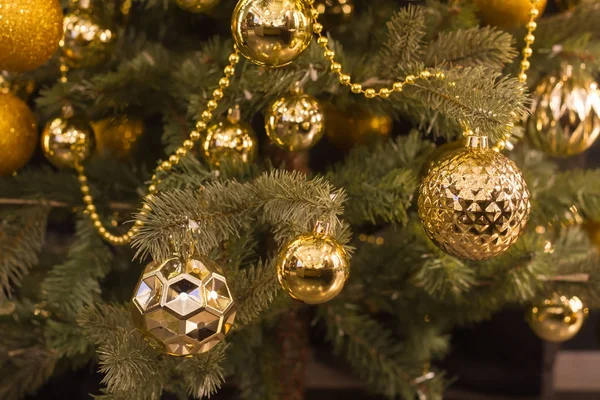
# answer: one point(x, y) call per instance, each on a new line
point(217, 179)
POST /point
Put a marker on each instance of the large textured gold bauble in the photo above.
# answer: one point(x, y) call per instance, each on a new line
point(355, 126)
point(30, 31)
point(565, 114)
point(272, 32)
point(117, 136)
point(18, 134)
point(439, 152)
point(197, 6)
point(295, 122)
point(557, 318)
point(66, 139)
point(183, 308)
point(474, 203)
point(507, 14)
point(229, 140)
point(313, 268)
point(89, 39)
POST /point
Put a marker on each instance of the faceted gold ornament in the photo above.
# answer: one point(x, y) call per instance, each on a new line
point(18, 134)
point(197, 6)
point(313, 267)
point(295, 121)
point(183, 308)
point(229, 139)
point(88, 38)
point(557, 318)
point(474, 203)
point(117, 136)
point(439, 153)
point(507, 14)
point(565, 114)
point(66, 139)
point(272, 32)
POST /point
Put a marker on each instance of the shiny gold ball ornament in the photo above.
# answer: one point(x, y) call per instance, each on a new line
point(313, 267)
point(439, 152)
point(67, 139)
point(355, 126)
point(230, 140)
point(565, 114)
point(474, 203)
point(557, 318)
point(30, 31)
point(88, 38)
point(197, 6)
point(183, 308)
point(272, 32)
point(18, 134)
point(507, 14)
point(117, 136)
point(295, 121)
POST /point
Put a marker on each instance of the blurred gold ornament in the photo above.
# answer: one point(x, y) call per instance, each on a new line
point(229, 139)
point(197, 6)
point(593, 230)
point(565, 116)
point(88, 38)
point(564, 5)
point(17, 84)
point(30, 31)
point(474, 203)
point(18, 134)
point(66, 139)
point(274, 32)
point(183, 308)
point(339, 9)
point(557, 318)
point(507, 14)
point(313, 267)
point(355, 126)
point(117, 136)
point(440, 152)
point(295, 121)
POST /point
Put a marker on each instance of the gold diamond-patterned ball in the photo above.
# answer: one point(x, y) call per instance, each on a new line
point(66, 139)
point(272, 33)
point(295, 122)
point(18, 134)
point(474, 203)
point(117, 136)
point(507, 14)
point(30, 31)
point(183, 308)
point(88, 38)
point(313, 267)
point(197, 6)
point(557, 318)
point(565, 114)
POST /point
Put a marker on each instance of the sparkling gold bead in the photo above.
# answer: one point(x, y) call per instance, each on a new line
point(94, 216)
point(336, 67)
point(234, 58)
point(329, 54)
point(87, 199)
point(91, 208)
point(398, 86)
point(206, 115)
point(384, 93)
point(531, 25)
point(523, 77)
point(218, 94)
point(425, 74)
point(85, 189)
point(97, 224)
point(174, 159)
point(322, 41)
point(139, 222)
point(317, 28)
point(195, 135)
point(224, 82)
point(229, 70)
point(370, 93)
point(534, 12)
point(102, 230)
point(345, 79)
point(527, 52)
point(410, 79)
point(315, 13)
point(82, 179)
point(166, 166)
point(188, 144)
point(529, 39)
point(181, 152)
point(212, 105)
point(356, 88)
point(152, 189)
point(525, 64)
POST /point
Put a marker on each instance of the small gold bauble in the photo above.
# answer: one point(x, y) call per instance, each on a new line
point(117, 136)
point(474, 203)
point(355, 126)
point(88, 40)
point(313, 267)
point(229, 139)
point(295, 122)
point(507, 14)
point(30, 31)
point(557, 318)
point(197, 6)
point(565, 114)
point(66, 139)
point(18, 134)
point(183, 308)
point(272, 32)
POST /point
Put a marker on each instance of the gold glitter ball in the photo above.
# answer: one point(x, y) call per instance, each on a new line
point(183, 308)
point(474, 203)
point(313, 267)
point(88, 38)
point(565, 114)
point(66, 139)
point(557, 318)
point(18, 134)
point(507, 14)
point(272, 32)
point(197, 6)
point(30, 31)
point(117, 136)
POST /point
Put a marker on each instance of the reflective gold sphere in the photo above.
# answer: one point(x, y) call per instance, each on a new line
point(30, 31)
point(88, 38)
point(313, 267)
point(355, 126)
point(117, 136)
point(295, 122)
point(507, 14)
point(197, 6)
point(65, 139)
point(474, 203)
point(557, 318)
point(565, 114)
point(229, 139)
point(272, 32)
point(18, 134)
